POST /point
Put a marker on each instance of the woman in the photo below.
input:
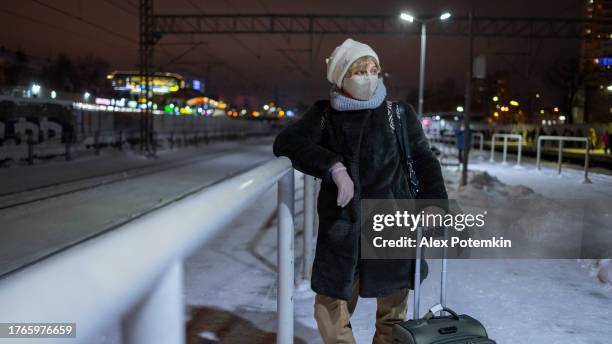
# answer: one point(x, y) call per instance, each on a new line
point(350, 144)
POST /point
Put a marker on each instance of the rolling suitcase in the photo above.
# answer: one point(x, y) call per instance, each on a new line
point(432, 329)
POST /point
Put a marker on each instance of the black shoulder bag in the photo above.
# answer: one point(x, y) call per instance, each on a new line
point(398, 122)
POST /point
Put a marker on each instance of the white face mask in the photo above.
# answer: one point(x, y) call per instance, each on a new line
point(360, 87)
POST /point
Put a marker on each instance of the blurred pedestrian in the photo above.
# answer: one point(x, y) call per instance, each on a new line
point(605, 139)
point(592, 138)
point(461, 135)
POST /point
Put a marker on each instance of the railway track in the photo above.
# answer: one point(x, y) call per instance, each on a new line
point(55, 190)
point(134, 216)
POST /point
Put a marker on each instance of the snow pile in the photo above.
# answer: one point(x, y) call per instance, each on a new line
point(482, 188)
point(483, 180)
point(550, 223)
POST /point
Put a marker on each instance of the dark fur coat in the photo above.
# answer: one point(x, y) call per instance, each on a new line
point(366, 144)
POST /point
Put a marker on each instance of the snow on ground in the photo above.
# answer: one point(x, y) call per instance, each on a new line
point(34, 230)
point(566, 187)
point(231, 284)
point(19, 177)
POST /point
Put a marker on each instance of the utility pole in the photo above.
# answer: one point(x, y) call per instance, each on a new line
point(146, 44)
point(422, 66)
point(468, 101)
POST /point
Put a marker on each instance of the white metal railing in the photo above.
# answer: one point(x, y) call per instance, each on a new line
point(506, 137)
point(135, 273)
point(481, 144)
point(309, 223)
point(561, 139)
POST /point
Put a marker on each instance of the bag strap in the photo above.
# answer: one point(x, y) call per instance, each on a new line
point(398, 123)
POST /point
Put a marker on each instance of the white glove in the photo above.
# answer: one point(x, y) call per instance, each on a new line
point(346, 188)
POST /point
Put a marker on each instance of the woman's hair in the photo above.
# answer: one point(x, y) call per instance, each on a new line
point(361, 63)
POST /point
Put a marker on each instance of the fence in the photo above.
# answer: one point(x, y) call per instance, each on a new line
point(105, 278)
point(561, 139)
point(506, 137)
point(29, 147)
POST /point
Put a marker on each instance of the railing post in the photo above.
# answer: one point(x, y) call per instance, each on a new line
point(317, 187)
point(284, 305)
point(481, 143)
point(586, 165)
point(309, 193)
point(520, 150)
point(559, 158)
point(159, 317)
point(492, 159)
point(505, 149)
point(538, 154)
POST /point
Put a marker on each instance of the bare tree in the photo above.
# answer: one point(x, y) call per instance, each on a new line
point(566, 77)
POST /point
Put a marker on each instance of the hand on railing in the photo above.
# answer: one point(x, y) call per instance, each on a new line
point(346, 189)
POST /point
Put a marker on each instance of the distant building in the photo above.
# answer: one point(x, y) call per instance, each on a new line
point(595, 95)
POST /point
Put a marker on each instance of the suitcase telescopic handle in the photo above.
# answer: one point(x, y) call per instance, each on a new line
point(417, 275)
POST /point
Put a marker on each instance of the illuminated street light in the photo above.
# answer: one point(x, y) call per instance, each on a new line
point(445, 16)
point(610, 88)
point(407, 17)
point(495, 98)
point(514, 103)
point(35, 89)
point(556, 109)
point(53, 94)
point(410, 18)
point(537, 95)
point(459, 108)
point(86, 96)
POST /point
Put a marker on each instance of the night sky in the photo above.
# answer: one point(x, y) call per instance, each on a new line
point(251, 65)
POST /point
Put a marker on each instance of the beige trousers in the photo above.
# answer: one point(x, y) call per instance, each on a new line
point(333, 316)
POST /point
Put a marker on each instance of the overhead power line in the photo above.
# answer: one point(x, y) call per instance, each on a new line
point(85, 21)
point(129, 11)
point(57, 27)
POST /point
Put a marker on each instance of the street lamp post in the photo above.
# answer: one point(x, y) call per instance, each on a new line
point(409, 18)
point(422, 66)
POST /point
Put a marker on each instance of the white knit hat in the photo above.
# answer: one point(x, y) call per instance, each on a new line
point(343, 56)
